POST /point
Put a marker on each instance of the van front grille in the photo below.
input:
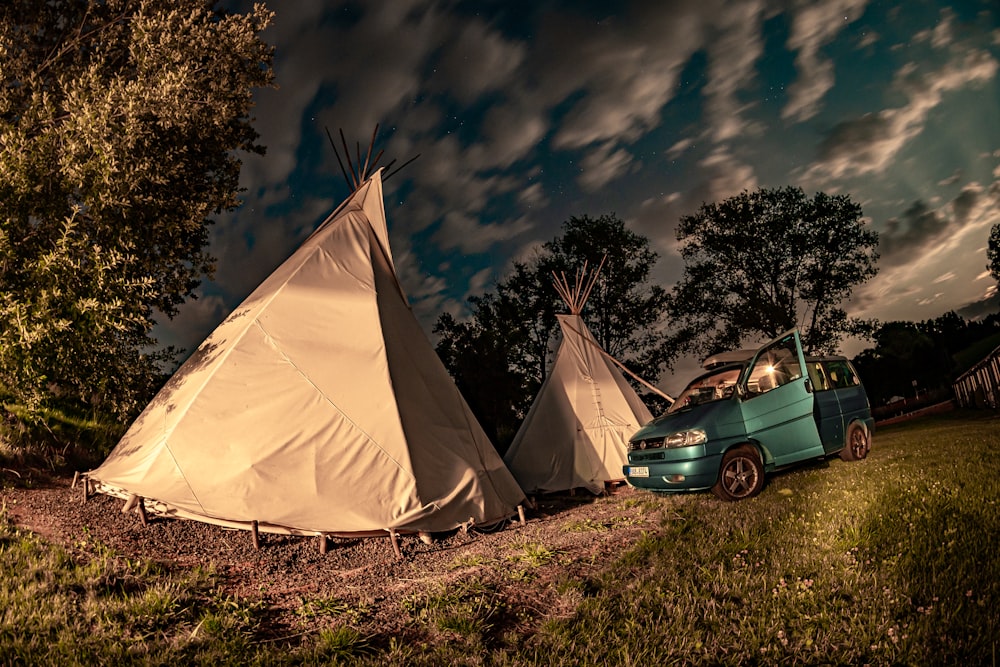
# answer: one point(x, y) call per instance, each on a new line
point(651, 456)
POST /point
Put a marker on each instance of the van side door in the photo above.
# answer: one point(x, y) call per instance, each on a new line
point(777, 402)
point(850, 392)
point(829, 416)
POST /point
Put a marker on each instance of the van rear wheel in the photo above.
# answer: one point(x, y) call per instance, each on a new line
point(741, 474)
point(857, 444)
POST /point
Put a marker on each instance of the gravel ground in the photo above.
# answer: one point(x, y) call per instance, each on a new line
point(579, 532)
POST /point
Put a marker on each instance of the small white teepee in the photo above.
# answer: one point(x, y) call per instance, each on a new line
point(318, 407)
point(576, 432)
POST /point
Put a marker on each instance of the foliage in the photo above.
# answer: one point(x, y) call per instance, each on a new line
point(993, 252)
point(623, 310)
point(925, 352)
point(500, 356)
point(763, 262)
point(118, 126)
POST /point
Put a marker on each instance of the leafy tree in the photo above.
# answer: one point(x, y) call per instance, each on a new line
point(500, 356)
point(479, 354)
point(624, 310)
point(993, 252)
point(118, 125)
point(926, 352)
point(763, 262)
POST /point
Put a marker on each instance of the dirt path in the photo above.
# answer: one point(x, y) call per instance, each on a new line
point(566, 537)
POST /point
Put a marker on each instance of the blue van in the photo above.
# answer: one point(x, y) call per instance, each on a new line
point(751, 413)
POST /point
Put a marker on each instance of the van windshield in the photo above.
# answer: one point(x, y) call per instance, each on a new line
point(707, 388)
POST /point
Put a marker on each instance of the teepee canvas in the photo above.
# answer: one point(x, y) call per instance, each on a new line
point(317, 407)
point(576, 432)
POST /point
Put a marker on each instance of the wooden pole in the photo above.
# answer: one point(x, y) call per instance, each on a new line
point(347, 154)
point(141, 508)
point(76, 476)
point(368, 156)
point(395, 544)
point(388, 176)
point(130, 503)
point(337, 153)
point(322, 543)
point(254, 530)
point(520, 514)
point(86, 489)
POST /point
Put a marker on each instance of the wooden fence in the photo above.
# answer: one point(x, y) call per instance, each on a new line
point(979, 387)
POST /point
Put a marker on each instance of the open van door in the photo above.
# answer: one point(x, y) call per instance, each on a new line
point(776, 401)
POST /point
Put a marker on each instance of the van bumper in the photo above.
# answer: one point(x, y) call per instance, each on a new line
point(683, 475)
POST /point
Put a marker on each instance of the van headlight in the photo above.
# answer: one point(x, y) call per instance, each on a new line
point(694, 436)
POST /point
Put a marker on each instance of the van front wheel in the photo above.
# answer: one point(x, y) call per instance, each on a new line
point(741, 474)
point(857, 444)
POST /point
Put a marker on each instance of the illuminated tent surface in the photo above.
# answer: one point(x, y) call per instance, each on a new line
point(317, 407)
point(576, 433)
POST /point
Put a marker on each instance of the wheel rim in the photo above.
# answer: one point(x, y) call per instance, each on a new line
point(740, 477)
point(859, 444)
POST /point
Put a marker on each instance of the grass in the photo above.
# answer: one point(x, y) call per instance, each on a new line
point(108, 609)
point(887, 561)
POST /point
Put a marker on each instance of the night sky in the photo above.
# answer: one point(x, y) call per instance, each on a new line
point(527, 113)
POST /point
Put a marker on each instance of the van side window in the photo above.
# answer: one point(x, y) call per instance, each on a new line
point(842, 374)
point(775, 366)
point(817, 375)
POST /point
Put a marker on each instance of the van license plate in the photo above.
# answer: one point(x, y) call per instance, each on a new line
point(638, 471)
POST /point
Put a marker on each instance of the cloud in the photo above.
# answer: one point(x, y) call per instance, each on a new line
point(471, 235)
point(868, 38)
point(733, 54)
point(814, 25)
point(924, 242)
point(869, 144)
point(510, 133)
point(910, 234)
point(965, 203)
point(603, 165)
point(476, 61)
point(621, 72)
point(679, 147)
point(931, 299)
point(942, 34)
point(951, 180)
point(723, 176)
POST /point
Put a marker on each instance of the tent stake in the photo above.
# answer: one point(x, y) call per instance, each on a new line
point(322, 543)
point(256, 534)
point(520, 513)
point(130, 503)
point(425, 537)
point(141, 508)
point(395, 544)
point(76, 476)
point(86, 489)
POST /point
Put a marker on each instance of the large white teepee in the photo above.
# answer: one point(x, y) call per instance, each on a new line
point(576, 432)
point(317, 407)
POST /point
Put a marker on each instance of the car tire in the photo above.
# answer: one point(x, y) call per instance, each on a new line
point(741, 474)
point(857, 444)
